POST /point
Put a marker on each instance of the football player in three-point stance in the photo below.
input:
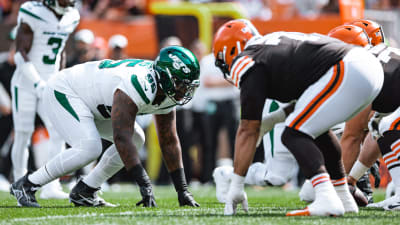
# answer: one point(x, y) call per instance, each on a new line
point(279, 164)
point(101, 99)
point(383, 127)
point(317, 71)
point(43, 30)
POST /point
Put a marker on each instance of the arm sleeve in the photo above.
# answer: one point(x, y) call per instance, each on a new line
point(253, 94)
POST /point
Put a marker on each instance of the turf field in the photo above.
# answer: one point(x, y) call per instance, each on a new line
point(267, 206)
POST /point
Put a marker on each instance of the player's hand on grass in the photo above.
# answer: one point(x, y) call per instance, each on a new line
point(236, 195)
point(185, 198)
point(148, 199)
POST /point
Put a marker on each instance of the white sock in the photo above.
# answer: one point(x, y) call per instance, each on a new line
point(65, 162)
point(20, 154)
point(322, 184)
point(395, 174)
point(109, 164)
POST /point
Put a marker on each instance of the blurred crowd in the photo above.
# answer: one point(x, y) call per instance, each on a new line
point(126, 10)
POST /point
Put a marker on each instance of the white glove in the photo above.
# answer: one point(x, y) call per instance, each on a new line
point(268, 122)
point(235, 196)
point(373, 125)
point(39, 88)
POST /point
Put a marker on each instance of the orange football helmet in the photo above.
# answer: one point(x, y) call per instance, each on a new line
point(373, 29)
point(350, 34)
point(229, 41)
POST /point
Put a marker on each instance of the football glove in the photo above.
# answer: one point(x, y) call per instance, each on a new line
point(235, 196)
point(148, 199)
point(185, 198)
point(373, 125)
point(375, 172)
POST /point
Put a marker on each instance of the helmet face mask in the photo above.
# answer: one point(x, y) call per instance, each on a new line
point(229, 41)
point(177, 71)
point(60, 6)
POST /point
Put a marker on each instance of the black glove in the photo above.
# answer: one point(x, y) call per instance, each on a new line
point(143, 180)
point(375, 172)
point(148, 199)
point(186, 198)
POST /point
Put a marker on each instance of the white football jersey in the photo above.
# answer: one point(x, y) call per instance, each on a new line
point(49, 35)
point(95, 83)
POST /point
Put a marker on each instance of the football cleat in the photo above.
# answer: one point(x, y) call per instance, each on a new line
point(365, 186)
point(222, 179)
point(83, 195)
point(24, 191)
point(393, 202)
point(330, 205)
point(53, 190)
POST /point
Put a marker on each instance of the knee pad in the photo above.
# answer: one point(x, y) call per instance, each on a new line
point(138, 137)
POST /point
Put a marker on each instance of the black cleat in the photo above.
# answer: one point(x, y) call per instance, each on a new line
point(83, 195)
point(24, 191)
point(365, 186)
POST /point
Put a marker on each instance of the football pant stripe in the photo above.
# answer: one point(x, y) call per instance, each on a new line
point(395, 125)
point(328, 91)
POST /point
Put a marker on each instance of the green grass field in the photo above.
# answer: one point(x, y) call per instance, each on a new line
point(267, 206)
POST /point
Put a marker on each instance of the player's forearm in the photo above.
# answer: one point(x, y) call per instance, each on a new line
point(370, 151)
point(172, 154)
point(350, 150)
point(245, 147)
point(127, 150)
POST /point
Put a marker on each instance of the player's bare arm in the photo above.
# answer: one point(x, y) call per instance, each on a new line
point(168, 139)
point(24, 40)
point(245, 145)
point(353, 136)
point(171, 150)
point(123, 116)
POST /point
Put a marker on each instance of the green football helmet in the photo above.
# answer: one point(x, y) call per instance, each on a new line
point(60, 6)
point(177, 72)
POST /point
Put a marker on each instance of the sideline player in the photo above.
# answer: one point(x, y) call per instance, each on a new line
point(317, 71)
point(43, 30)
point(101, 99)
point(384, 128)
point(279, 165)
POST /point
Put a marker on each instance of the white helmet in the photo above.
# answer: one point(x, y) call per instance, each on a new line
point(55, 5)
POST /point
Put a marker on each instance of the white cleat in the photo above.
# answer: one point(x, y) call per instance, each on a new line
point(390, 190)
point(328, 205)
point(222, 178)
point(53, 190)
point(387, 204)
point(349, 204)
point(307, 192)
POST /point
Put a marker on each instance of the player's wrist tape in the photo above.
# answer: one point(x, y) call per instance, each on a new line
point(179, 180)
point(140, 176)
point(27, 68)
point(358, 170)
point(237, 181)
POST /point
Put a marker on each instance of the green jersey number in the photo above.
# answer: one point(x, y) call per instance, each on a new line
point(56, 42)
point(105, 64)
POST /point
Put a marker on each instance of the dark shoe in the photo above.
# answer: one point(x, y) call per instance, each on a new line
point(24, 191)
point(83, 195)
point(365, 186)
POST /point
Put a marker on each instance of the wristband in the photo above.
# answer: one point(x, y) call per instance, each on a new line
point(358, 170)
point(179, 180)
